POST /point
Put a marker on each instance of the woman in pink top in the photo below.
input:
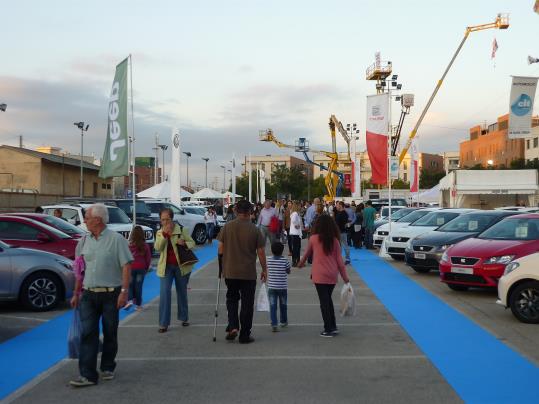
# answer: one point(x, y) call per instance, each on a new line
point(140, 265)
point(325, 248)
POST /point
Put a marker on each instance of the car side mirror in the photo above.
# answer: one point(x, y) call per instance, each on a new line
point(182, 212)
point(43, 238)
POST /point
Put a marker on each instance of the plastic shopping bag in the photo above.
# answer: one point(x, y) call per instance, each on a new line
point(262, 302)
point(348, 300)
point(73, 335)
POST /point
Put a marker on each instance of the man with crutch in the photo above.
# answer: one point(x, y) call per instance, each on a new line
point(240, 242)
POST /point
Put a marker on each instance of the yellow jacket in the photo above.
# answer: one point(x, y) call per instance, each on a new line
point(161, 245)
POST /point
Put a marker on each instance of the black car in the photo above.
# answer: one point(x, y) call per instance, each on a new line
point(426, 250)
point(144, 215)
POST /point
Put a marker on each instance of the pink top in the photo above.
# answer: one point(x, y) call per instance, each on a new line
point(141, 261)
point(326, 268)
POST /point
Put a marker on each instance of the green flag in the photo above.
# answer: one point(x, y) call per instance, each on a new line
point(116, 155)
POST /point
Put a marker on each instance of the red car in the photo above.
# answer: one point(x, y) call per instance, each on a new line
point(481, 261)
point(57, 223)
point(29, 233)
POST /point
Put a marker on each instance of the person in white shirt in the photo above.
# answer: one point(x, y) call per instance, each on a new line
point(210, 218)
point(264, 220)
point(295, 233)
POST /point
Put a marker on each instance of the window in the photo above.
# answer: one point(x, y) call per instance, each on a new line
point(535, 142)
point(528, 144)
point(18, 231)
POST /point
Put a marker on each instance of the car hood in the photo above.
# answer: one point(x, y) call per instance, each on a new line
point(483, 248)
point(18, 251)
point(438, 238)
point(124, 226)
point(411, 231)
point(394, 226)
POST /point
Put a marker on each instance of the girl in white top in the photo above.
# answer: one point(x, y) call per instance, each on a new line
point(295, 233)
point(211, 220)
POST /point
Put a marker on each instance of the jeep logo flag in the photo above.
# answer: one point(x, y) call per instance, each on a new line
point(116, 155)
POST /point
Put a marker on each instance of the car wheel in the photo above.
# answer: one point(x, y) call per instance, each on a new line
point(397, 257)
point(524, 302)
point(458, 288)
point(41, 291)
point(421, 270)
point(199, 234)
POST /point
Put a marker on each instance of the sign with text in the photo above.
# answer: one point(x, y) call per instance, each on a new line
point(521, 106)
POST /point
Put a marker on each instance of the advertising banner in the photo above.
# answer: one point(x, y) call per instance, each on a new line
point(175, 171)
point(414, 168)
point(521, 106)
point(116, 155)
point(377, 126)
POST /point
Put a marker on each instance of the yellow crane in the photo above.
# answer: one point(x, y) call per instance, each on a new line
point(501, 22)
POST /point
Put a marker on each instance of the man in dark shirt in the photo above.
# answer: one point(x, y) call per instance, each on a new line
point(342, 220)
point(369, 215)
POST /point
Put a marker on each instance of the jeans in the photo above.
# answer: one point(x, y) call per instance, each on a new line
point(344, 244)
point(210, 231)
point(95, 306)
point(267, 234)
point(135, 285)
point(274, 296)
point(296, 247)
point(173, 273)
point(244, 290)
point(349, 235)
point(326, 305)
point(368, 237)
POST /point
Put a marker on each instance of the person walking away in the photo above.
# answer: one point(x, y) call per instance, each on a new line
point(280, 207)
point(230, 215)
point(211, 220)
point(286, 225)
point(310, 214)
point(104, 291)
point(295, 233)
point(350, 226)
point(369, 215)
point(278, 270)
point(327, 265)
point(264, 219)
point(167, 240)
point(358, 226)
point(240, 242)
point(142, 259)
point(341, 218)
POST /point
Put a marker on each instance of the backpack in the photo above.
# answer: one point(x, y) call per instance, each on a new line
point(274, 224)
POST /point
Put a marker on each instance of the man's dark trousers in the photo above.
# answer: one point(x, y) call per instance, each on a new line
point(244, 290)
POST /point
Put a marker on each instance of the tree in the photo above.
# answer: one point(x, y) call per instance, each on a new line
point(428, 179)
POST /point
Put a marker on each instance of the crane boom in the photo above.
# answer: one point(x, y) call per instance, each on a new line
point(502, 22)
point(334, 123)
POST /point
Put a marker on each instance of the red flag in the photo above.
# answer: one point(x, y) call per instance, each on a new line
point(536, 6)
point(494, 48)
point(377, 139)
point(414, 168)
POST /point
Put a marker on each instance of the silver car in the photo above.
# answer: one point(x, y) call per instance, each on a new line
point(38, 279)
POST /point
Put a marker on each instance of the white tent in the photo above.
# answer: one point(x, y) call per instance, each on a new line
point(428, 196)
point(207, 193)
point(229, 194)
point(161, 191)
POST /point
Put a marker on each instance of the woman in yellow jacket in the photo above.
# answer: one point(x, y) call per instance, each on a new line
point(168, 269)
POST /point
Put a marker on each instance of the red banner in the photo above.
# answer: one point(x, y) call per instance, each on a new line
point(348, 181)
point(377, 125)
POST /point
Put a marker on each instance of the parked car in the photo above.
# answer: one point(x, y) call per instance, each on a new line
point(39, 280)
point(118, 220)
point(518, 288)
point(183, 216)
point(144, 215)
point(383, 231)
point(60, 224)
point(481, 261)
point(29, 233)
point(425, 251)
point(397, 212)
point(399, 240)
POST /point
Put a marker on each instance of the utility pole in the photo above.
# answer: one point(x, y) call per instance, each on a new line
point(156, 162)
point(206, 159)
point(80, 125)
point(164, 148)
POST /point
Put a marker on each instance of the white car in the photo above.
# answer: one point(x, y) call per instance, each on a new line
point(518, 288)
point(182, 216)
point(118, 220)
point(399, 239)
point(383, 231)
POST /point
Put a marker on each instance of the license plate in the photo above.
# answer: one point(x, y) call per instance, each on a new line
point(420, 256)
point(458, 270)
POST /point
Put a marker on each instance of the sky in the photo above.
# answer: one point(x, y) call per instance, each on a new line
point(221, 71)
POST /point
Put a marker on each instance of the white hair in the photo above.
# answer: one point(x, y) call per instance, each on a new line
point(100, 210)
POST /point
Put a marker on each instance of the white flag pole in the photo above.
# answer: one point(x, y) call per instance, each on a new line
point(233, 178)
point(132, 142)
point(250, 179)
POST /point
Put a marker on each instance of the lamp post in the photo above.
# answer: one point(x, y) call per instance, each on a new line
point(164, 148)
point(224, 176)
point(188, 154)
point(230, 171)
point(206, 159)
point(80, 125)
point(3, 107)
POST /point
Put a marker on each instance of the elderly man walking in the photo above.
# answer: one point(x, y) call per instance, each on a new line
point(239, 244)
point(104, 291)
point(264, 220)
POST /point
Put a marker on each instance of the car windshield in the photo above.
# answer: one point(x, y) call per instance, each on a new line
point(394, 210)
point(127, 207)
point(117, 215)
point(435, 219)
point(3, 245)
point(470, 223)
point(412, 217)
point(64, 226)
point(513, 229)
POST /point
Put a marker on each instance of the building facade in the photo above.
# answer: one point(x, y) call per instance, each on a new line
point(531, 152)
point(269, 163)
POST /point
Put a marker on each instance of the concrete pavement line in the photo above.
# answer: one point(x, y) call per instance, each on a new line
point(267, 325)
point(223, 290)
point(276, 357)
point(24, 318)
point(288, 304)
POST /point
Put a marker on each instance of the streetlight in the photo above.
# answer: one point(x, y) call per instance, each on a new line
point(230, 171)
point(3, 107)
point(206, 159)
point(224, 176)
point(163, 147)
point(79, 125)
point(188, 154)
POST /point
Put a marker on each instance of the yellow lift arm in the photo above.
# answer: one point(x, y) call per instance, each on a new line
point(502, 22)
point(334, 123)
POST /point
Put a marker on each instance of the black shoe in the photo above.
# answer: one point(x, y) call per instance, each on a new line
point(327, 334)
point(231, 335)
point(335, 331)
point(185, 323)
point(247, 340)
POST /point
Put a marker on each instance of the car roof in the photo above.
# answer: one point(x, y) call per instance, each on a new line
point(524, 216)
point(50, 228)
point(493, 212)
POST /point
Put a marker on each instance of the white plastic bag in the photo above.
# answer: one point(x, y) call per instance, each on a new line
point(262, 302)
point(348, 300)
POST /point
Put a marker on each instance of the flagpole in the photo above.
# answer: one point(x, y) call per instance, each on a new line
point(250, 179)
point(133, 189)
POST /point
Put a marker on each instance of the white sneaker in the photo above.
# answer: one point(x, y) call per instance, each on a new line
point(128, 304)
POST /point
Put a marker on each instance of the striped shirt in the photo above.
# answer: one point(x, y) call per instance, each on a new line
point(278, 269)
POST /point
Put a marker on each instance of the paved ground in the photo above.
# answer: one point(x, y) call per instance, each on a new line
point(373, 360)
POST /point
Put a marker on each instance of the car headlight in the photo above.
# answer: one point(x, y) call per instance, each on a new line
point(511, 267)
point(158, 226)
point(445, 258)
point(502, 259)
point(444, 247)
point(66, 264)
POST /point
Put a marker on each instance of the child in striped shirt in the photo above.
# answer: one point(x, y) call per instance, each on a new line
point(277, 283)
